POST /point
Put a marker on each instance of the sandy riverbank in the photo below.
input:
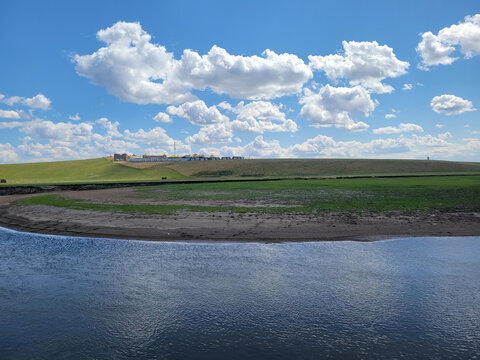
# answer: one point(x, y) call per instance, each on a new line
point(232, 227)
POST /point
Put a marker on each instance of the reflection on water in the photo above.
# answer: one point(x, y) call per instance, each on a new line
point(97, 298)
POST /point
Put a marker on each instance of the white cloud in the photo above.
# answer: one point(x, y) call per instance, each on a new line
point(325, 146)
point(257, 148)
point(414, 147)
point(52, 151)
point(407, 87)
point(106, 145)
point(8, 153)
point(450, 105)
point(390, 116)
point(245, 77)
point(66, 133)
point(10, 124)
point(437, 49)
point(333, 106)
point(401, 128)
point(363, 63)
point(39, 101)
point(9, 114)
point(198, 113)
point(439, 126)
point(155, 136)
point(74, 118)
point(132, 68)
point(212, 134)
point(163, 118)
point(445, 135)
point(260, 116)
point(112, 128)
point(136, 70)
point(158, 138)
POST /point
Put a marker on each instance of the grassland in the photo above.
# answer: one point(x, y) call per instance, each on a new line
point(105, 170)
point(82, 171)
point(291, 197)
point(320, 167)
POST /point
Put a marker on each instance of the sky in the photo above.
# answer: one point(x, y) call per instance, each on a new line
point(260, 79)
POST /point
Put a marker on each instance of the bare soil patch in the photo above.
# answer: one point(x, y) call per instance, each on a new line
point(224, 226)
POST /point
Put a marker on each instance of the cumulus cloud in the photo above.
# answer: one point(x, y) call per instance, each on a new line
point(450, 105)
point(437, 49)
point(163, 118)
point(212, 134)
point(136, 70)
point(8, 153)
point(66, 133)
point(407, 87)
point(363, 63)
point(390, 116)
point(401, 128)
point(39, 101)
point(75, 117)
point(258, 117)
point(245, 77)
point(259, 147)
point(10, 124)
point(439, 126)
point(158, 138)
point(198, 113)
point(106, 145)
point(325, 146)
point(334, 106)
point(112, 128)
point(413, 147)
point(153, 136)
point(445, 135)
point(9, 114)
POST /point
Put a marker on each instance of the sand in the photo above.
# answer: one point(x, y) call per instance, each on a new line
point(229, 226)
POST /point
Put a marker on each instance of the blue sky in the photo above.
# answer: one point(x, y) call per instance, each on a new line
point(369, 79)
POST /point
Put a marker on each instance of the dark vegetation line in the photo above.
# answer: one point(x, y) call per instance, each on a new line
point(33, 189)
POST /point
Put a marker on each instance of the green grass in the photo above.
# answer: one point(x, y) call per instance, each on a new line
point(58, 201)
point(320, 167)
point(302, 196)
point(105, 170)
point(81, 171)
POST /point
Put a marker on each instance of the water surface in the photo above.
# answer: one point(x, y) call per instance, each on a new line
point(66, 297)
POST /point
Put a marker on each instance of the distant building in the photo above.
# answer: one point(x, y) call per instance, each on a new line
point(120, 157)
point(165, 157)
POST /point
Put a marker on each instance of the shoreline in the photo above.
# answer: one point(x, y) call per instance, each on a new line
point(228, 227)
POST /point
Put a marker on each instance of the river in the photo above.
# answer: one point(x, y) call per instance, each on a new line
point(66, 297)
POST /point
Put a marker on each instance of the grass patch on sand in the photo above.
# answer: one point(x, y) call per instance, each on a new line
point(146, 209)
point(298, 196)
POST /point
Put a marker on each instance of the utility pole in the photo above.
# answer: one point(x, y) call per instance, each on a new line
point(174, 148)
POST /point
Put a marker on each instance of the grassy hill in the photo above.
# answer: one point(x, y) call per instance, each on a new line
point(81, 171)
point(320, 167)
point(105, 170)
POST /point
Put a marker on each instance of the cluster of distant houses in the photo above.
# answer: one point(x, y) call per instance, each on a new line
point(164, 157)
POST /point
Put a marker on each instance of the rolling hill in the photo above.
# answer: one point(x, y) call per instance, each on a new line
point(105, 170)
